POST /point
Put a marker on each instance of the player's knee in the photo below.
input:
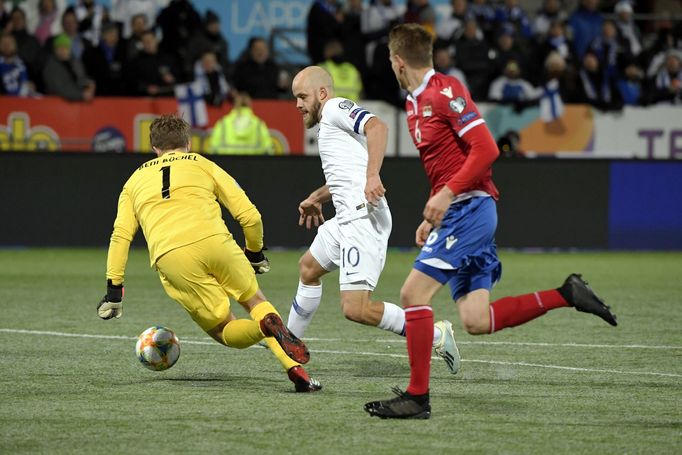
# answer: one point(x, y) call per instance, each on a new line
point(352, 311)
point(408, 298)
point(308, 273)
point(475, 323)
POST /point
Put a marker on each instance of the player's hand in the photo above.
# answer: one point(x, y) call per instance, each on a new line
point(437, 206)
point(259, 262)
point(422, 233)
point(111, 305)
point(374, 189)
point(310, 213)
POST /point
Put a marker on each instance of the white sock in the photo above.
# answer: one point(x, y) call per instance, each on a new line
point(393, 319)
point(303, 308)
point(436, 335)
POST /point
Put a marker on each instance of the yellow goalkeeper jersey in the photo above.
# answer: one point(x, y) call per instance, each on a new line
point(174, 198)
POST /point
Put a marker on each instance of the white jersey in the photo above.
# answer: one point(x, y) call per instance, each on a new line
point(343, 151)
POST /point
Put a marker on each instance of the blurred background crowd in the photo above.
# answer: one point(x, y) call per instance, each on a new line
point(607, 53)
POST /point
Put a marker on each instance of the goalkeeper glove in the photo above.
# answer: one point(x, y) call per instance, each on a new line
point(111, 305)
point(258, 261)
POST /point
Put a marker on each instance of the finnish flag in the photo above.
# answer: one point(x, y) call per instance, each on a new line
point(551, 104)
point(191, 103)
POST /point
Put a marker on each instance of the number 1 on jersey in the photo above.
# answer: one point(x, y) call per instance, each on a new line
point(165, 185)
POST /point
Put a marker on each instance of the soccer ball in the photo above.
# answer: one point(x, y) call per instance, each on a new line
point(157, 348)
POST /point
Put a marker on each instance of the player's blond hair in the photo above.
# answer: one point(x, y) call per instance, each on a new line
point(169, 132)
point(413, 43)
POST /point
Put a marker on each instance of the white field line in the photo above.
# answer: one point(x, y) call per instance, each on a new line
point(375, 354)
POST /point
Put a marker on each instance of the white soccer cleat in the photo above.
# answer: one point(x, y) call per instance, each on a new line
point(446, 347)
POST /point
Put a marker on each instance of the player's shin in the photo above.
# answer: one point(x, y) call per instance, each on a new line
point(241, 333)
point(393, 319)
point(419, 329)
point(303, 308)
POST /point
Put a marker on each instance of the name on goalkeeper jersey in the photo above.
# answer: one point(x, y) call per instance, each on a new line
point(168, 160)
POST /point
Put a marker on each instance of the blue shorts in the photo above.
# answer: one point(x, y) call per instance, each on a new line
point(461, 251)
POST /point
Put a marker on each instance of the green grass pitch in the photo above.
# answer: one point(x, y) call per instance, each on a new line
point(564, 383)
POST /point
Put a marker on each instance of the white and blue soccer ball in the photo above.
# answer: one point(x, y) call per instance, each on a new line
point(157, 348)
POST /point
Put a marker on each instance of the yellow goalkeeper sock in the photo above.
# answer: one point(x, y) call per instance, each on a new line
point(258, 313)
point(242, 333)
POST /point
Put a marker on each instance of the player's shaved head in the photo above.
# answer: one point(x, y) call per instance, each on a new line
point(312, 87)
point(313, 77)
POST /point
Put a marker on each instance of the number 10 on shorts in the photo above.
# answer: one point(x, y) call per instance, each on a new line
point(350, 257)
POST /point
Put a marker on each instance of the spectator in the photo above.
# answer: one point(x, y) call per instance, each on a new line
point(5, 9)
point(511, 13)
point(241, 132)
point(609, 50)
point(630, 86)
point(124, 11)
point(556, 41)
point(598, 87)
point(152, 72)
point(138, 26)
point(668, 83)
point(48, 20)
point(508, 49)
point(550, 13)
point(559, 73)
point(207, 70)
point(421, 12)
point(376, 22)
point(585, 24)
point(13, 74)
point(656, 55)
point(90, 19)
point(511, 87)
point(626, 27)
point(353, 39)
point(70, 28)
point(179, 21)
point(29, 50)
point(64, 75)
point(105, 63)
point(474, 56)
point(210, 39)
point(346, 77)
point(443, 62)
point(484, 14)
point(256, 73)
point(323, 24)
point(452, 26)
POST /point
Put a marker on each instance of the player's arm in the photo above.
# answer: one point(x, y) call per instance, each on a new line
point(310, 209)
point(235, 200)
point(125, 227)
point(376, 132)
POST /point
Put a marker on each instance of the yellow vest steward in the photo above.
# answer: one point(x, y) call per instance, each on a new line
point(241, 132)
point(176, 200)
point(347, 80)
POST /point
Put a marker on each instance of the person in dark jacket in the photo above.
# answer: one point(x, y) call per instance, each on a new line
point(152, 72)
point(105, 62)
point(64, 74)
point(257, 74)
point(324, 24)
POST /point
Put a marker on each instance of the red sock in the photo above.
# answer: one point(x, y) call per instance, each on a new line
point(513, 311)
point(419, 331)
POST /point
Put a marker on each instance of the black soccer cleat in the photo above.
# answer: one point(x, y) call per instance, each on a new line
point(272, 326)
point(579, 295)
point(403, 406)
point(302, 382)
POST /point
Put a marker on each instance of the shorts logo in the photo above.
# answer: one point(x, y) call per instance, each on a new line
point(458, 105)
point(450, 240)
point(346, 104)
point(433, 236)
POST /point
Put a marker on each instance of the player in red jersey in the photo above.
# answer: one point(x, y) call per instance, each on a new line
point(457, 235)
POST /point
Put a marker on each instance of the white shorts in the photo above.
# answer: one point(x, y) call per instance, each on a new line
point(357, 247)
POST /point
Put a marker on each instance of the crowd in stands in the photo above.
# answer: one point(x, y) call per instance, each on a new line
point(594, 53)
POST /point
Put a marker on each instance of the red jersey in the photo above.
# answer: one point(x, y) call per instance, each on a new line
point(454, 143)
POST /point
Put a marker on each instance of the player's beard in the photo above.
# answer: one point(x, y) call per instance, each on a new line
point(313, 115)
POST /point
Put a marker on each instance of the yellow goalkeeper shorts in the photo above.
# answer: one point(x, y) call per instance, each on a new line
point(203, 275)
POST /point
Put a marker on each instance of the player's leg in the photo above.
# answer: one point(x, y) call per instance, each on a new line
point(309, 292)
point(415, 296)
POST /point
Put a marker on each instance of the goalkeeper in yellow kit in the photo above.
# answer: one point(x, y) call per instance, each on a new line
point(175, 199)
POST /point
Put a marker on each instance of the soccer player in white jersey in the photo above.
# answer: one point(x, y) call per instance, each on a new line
point(352, 142)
